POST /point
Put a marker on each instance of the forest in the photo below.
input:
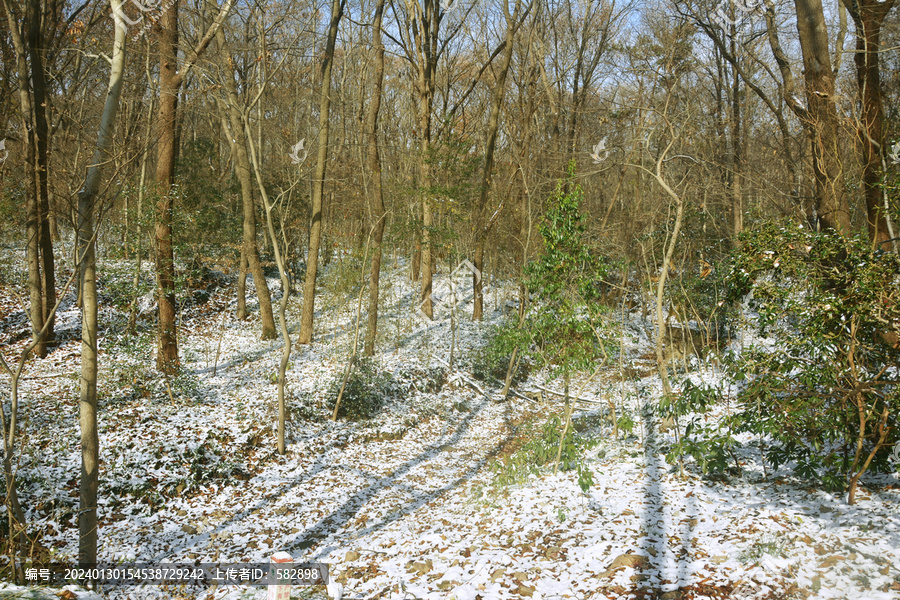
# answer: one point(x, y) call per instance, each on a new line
point(458, 298)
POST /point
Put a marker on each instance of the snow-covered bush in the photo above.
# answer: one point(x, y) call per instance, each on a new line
point(827, 392)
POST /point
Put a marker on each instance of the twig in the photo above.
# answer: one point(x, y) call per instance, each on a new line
point(522, 396)
point(467, 380)
point(561, 395)
point(219, 346)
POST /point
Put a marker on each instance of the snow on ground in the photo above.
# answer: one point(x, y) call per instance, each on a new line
point(405, 505)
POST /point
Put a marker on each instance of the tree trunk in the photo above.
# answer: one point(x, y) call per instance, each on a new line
point(41, 133)
point(285, 286)
point(424, 28)
point(90, 442)
point(249, 248)
point(868, 16)
point(170, 80)
point(374, 167)
point(737, 159)
point(315, 230)
point(169, 84)
point(17, 29)
point(482, 228)
point(241, 312)
point(832, 204)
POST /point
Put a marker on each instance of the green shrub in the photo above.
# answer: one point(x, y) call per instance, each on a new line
point(710, 442)
point(564, 328)
point(822, 387)
point(540, 451)
point(365, 392)
point(491, 361)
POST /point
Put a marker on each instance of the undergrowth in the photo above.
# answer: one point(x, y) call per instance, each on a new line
point(539, 451)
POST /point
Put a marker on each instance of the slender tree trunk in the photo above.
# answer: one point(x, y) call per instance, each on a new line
point(41, 132)
point(169, 84)
point(374, 166)
point(737, 158)
point(416, 262)
point(315, 230)
point(18, 32)
point(32, 252)
point(424, 29)
point(483, 225)
point(285, 287)
point(249, 248)
point(170, 80)
point(426, 304)
point(90, 442)
point(241, 312)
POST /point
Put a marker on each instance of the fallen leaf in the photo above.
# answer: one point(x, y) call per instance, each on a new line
point(525, 590)
point(419, 567)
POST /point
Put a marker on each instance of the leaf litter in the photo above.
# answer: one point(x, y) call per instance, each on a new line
point(404, 505)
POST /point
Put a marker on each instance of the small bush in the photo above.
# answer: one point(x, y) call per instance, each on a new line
point(365, 392)
point(341, 278)
point(540, 451)
point(491, 361)
point(710, 443)
point(431, 380)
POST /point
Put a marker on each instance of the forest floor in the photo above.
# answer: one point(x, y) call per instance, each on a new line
point(415, 502)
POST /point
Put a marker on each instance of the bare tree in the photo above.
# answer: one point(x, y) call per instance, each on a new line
point(90, 442)
point(422, 25)
point(315, 230)
point(376, 197)
point(868, 17)
point(170, 81)
point(481, 222)
point(249, 247)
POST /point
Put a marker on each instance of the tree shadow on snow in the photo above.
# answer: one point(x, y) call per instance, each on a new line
point(331, 523)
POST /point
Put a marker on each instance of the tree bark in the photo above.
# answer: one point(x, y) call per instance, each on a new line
point(167, 349)
point(241, 312)
point(249, 247)
point(315, 230)
point(868, 17)
point(832, 204)
point(170, 80)
point(90, 442)
point(376, 198)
